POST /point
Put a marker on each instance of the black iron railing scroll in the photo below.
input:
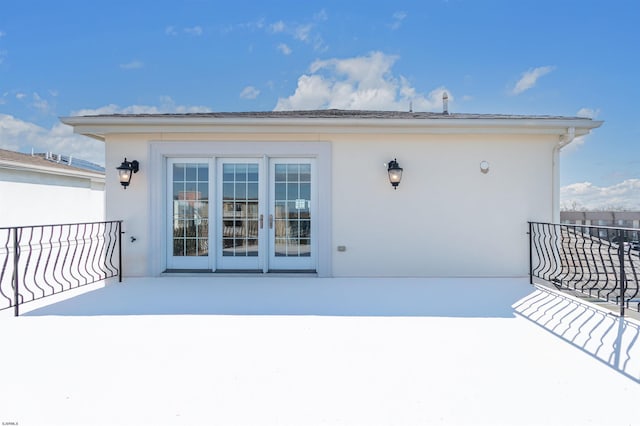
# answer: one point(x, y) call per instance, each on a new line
point(600, 262)
point(40, 261)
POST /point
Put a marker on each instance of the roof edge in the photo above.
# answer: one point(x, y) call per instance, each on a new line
point(97, 126)
point(71, 172)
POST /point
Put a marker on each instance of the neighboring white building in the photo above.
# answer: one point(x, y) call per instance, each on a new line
point(35, 190)
point(309, 191)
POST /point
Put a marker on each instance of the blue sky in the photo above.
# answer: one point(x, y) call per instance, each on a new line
point(516, 57)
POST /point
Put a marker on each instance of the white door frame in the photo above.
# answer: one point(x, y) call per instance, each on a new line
point(187, 262)
point(287, 263)
point(252, 263)
point(162, 150)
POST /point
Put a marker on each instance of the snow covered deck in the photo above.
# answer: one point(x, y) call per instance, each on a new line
point(310, 351)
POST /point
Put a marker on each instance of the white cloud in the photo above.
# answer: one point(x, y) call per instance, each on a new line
point(105, 109)
point(41, 104)
point(302, 32)
point(306, 34)
point(194, 31)
point(321, 16)
point(284, 49)
point(249, 92)
point(34, 100)
point(11, 128)
point(133, 65)
point(19, 135)
point(167, 105)
point(363, 82)
point(318, 44)
point(171, 30)
point(277, 27)
point(588, 112)
point(573, 146)
point(587, 196)
point(260, 23)
point(253, 25)
point(3, 53)
point(398, 17)
point(529, 79)
point(313, 92)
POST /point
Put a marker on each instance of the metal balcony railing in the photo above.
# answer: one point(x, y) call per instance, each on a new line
point(599, 262)
point(40, 261)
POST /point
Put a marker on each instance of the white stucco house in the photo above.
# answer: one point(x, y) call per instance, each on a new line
point(309, 191)
point(43, 190)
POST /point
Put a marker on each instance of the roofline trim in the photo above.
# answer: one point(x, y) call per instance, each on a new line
point(99, 126)
point(391, 122)
point(16, 165)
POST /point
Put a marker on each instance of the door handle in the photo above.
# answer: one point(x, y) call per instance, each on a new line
point(261, 221)
point(270, 221)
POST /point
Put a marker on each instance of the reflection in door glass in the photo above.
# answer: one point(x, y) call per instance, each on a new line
point(190, 209)
point(292, 210)
point(240, 209)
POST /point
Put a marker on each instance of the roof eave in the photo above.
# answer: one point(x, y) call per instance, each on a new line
point(16, 165)
point(98, 127)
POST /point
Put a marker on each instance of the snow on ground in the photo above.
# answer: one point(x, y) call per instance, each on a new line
point(311, 351)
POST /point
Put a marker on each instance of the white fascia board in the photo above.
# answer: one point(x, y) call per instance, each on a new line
point(98, 127)
point(13, 165)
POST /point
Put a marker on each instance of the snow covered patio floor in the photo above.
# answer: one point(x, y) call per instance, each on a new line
point(312, 351)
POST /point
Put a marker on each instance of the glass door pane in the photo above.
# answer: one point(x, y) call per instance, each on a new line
point(189, 214)
point(292, 215)
point(239, 245)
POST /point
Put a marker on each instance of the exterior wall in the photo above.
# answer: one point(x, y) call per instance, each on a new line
point(130, 205)
point(35, 198)
point(446, 218)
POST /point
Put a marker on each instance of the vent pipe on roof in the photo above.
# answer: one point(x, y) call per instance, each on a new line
point(445, 103)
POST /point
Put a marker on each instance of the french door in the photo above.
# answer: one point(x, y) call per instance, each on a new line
point(261, 216)
point(240, 214)
point(291, 218)
point(188, 211)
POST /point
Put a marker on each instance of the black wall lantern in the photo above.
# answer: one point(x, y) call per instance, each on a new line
point(125, 170)
point(395, 173)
